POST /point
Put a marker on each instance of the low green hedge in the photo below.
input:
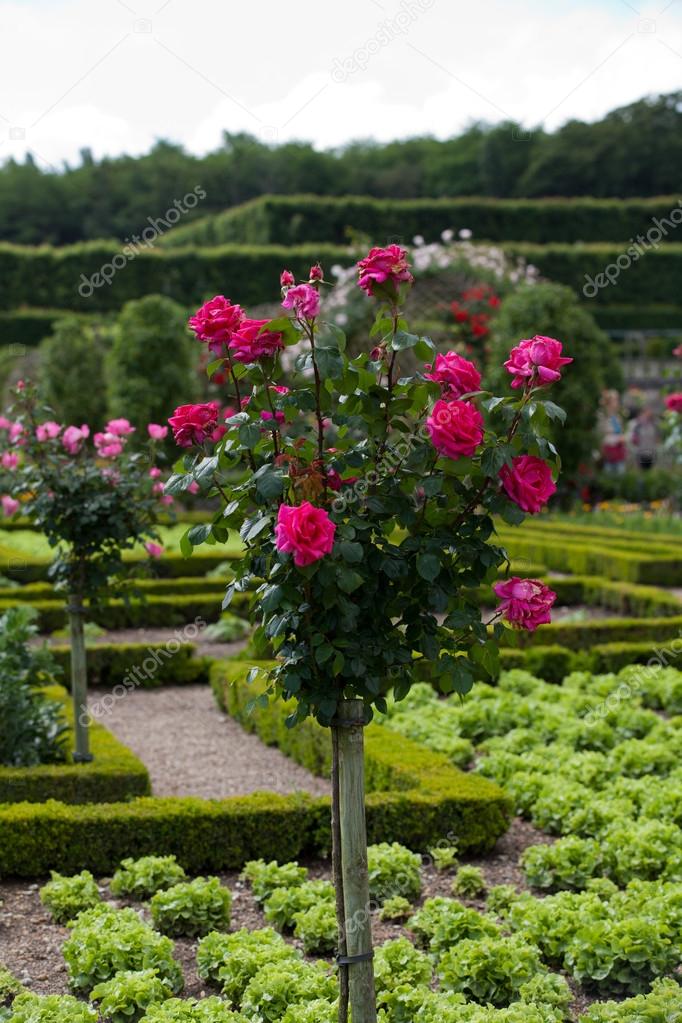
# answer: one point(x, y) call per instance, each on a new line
point(181, 587)
point(26, 568)
point(146, 665)
point(583, 635)
point(626, 598)
point(29, 326)
point(593, 558)
point(415, 796)
point(115, 773)
point(638, 317)
point(553, 662)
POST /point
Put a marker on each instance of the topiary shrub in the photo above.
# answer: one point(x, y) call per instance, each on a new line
point(152, 361)
point(553, 310)
point(71, 375)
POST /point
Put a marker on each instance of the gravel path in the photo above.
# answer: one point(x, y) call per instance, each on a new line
point(192, 749)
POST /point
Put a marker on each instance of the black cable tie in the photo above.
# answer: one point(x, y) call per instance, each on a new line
point(335, 723)
point(363, 957)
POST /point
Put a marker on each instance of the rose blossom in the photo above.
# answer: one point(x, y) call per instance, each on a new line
point(674, 402)
point(678, 351)
point(316, 273)
point(193, 488)
point(9, 505)
point(455, 428)
point(192, 424)
point(286, 279)
point(5, 423)
point(154, 472)
point(154, 550)
point(305, 531)
point(48, 430)
point(156, 431)
point(16, 432)
point(381, 267)
point(456, 374)
point(528, 483)
point(304, 300)
point(216, 321)
point(9, 460)
point(158, 488)
point(108, 445)
point(251, 342)
point(119, 427)
point(537, 360)
point(74, 437)
point(525, 603)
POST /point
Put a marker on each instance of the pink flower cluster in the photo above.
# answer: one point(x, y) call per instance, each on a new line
point(227, 329)
point(111, 442)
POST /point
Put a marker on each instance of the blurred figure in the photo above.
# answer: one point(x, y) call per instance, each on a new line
point(613, 449)
point(643, 436)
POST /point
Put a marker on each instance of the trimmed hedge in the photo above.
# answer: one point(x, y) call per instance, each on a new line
point(585, 558)
point(296, 219)
point(155, 612)
point(28, 326)
point(554, 663)
point(146, 587)
point(144, 665)
point(638, 317)
point(27, 568)
point(190, 275)
point(415, 796)
point(626, 598)
point(114, 774)
point(582, 635)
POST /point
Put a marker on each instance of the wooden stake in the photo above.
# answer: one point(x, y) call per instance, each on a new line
point(358, 924)
point(338, 879)
point(79, 680)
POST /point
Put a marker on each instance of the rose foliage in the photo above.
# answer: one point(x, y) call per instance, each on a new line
point(364, 497)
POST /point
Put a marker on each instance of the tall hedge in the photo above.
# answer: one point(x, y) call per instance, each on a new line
point(72, 376)
point(152, 366)
point(296, 219)
point(554, 310)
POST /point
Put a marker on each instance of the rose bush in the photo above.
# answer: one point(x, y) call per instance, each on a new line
point(364, 498)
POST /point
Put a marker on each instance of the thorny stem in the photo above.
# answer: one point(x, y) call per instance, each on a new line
point(310, 331)
point(273, 431)
point(237, 391)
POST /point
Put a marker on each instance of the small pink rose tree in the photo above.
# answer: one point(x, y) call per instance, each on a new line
point(93, 497)
point(365, 502)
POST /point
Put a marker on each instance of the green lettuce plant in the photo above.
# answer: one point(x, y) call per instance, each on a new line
point(66, 897)
point(143, 878)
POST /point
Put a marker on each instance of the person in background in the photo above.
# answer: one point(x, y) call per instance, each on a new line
point(643, 435)
point(613, 448)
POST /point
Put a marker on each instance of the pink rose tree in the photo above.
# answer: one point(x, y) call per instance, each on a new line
point(364, 498)
point(92, 495)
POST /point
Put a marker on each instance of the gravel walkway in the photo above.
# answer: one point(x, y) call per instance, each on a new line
point(192, 749)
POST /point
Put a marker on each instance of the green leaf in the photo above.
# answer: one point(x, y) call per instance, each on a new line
point(351, 552)
point(186, 547)
point(424, 348)
point(199, 534)
point(428, 566)
point(213, 366)
point(269, 483)
point(249, 435)
point(349, 580)
point(554, 411)
point(401, 340)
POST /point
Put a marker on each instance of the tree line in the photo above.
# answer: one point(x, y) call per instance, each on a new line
point(635, 150)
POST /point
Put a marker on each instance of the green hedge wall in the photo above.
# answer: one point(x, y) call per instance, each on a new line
point(416, 797)
point(250, 274)
point(626, 598)
point(154, 612)
point(28, 326)
point(582, 635)
point(638, 317)
point(26, 568)
point(296, 219)
point(114, 774)
point(553, 663)
point(591, 558)
point(146, 665)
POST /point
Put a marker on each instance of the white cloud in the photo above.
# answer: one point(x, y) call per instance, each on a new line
point(117, 74)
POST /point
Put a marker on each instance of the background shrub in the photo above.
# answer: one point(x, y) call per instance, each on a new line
point(71, 376)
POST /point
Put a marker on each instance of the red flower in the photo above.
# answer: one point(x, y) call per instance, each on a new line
point(456, 374)
point(528, 483)
point(251, 342)
point(536, 361)
point(384, 269)
point(215, 322)
point(193, 424)
point(455, 428)
point(525, 603)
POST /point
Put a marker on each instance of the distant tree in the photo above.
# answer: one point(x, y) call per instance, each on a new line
point(71, 375)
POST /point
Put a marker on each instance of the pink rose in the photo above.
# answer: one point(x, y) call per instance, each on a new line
point(316, 273)
point(192, 424)
point(536, 362)
point(455, 428)
point(678, 351)
point(304, 531)
point(158, 488)
point(16, 432)
point(216, 321)
point(674, 402)
point(251, 342)
point(167, 499)
point(386, 268)
point(193, 488)
point(304, 300)
point(525, 603)
point(48, 430)
point(119, 427)
point(108, 445)
point(9, 505)
point(154, 472)
point(456, 374)
point(156, 431)
point(5, 423)
point(74, 437)
point(154, 550)
point(9, 460)
point(286, 279)
point(528, 483)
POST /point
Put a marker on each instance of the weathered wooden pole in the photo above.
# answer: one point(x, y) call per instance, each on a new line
point(358, 925)
point(79, 680)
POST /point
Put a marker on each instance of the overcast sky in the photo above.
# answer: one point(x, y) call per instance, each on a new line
point(115, 75)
